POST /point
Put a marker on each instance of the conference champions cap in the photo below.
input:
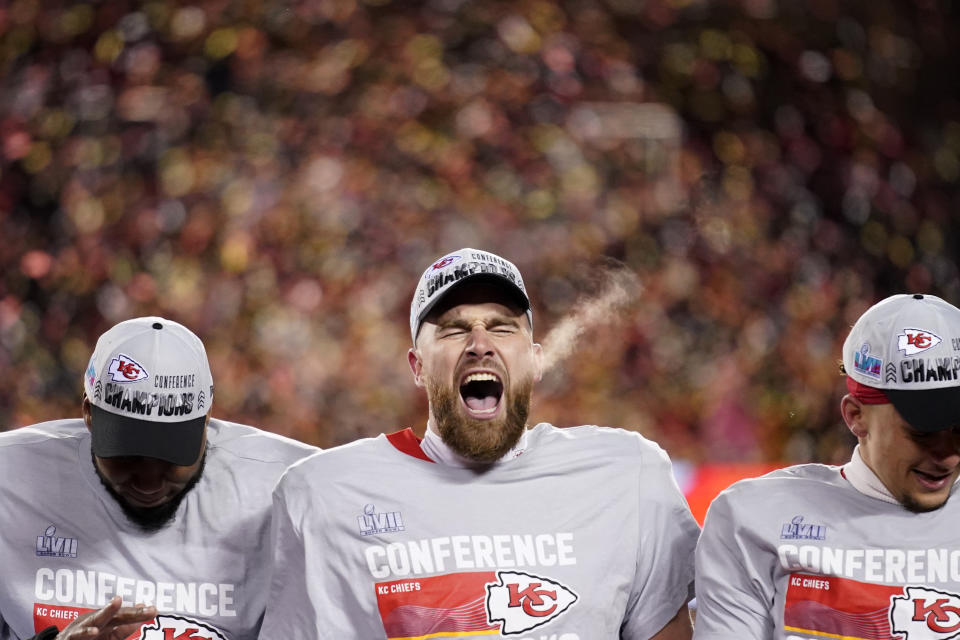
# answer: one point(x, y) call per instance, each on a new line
point(150, 389)
point(908, 345)
point(465, 265)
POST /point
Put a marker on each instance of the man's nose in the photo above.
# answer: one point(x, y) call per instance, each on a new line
point(945, 447)
point(149, 470)
point(479, 343)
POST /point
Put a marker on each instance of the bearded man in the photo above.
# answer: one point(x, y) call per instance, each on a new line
point(147, 517)
point(484, 528)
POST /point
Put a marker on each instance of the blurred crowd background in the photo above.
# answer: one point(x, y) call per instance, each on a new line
point(276, 175)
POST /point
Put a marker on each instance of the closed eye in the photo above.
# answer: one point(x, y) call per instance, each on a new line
point(503, 330)
point(502, 324)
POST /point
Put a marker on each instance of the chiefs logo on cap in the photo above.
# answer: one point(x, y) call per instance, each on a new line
point(123, 368)
point(446, 262)
point(914, 341)
point(165, 627)
point(521, 602)
point(925, 614)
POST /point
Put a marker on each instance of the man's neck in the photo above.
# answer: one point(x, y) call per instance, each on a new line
point(864, 480)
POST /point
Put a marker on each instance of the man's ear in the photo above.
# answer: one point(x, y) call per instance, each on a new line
point(852, 411)
point(538, 361)
point(416, 366)
point(87, 413)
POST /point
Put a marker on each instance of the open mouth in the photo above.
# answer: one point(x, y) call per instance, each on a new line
point(933, 481)
point(146, 497)
point(481, 394)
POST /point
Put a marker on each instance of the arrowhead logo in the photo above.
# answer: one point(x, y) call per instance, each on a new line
point(123, 368)
point(446, 262)
point(166, 627)
point(925, 614)
point(914, 341)
point(520, 601)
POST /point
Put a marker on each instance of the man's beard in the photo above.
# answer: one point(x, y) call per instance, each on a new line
point(151, 519)
point(483, 441)
point(915, 506)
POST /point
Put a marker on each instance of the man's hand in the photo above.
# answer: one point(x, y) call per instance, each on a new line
point(112, 622)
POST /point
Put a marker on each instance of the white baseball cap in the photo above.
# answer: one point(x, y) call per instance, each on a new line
point(458, 267)
point(908, 346)
point(150, 388)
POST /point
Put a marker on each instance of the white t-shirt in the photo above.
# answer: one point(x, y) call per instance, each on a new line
point(815, 551)
point(66, 546)
point(583, 535)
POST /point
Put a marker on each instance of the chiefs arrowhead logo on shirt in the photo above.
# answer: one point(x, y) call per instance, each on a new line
point(520, 601)
point(925, 614)
point(166, 627)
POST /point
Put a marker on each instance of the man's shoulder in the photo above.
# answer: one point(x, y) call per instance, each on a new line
point(43, 434)
point(810, 473)
point(243, 442)
point(788, 482)
point(345, 456)
point(326, 466)
point(613, 443)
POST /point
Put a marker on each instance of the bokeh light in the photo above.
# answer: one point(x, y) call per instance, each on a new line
point(277, 175)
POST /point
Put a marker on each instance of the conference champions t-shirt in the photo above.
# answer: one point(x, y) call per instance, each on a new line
point(801, 554)
point(66, 547)
point(583, 536)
